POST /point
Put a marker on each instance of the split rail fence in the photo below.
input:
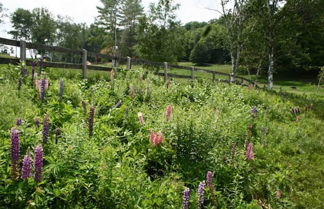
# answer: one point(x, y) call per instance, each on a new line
point(84, 66)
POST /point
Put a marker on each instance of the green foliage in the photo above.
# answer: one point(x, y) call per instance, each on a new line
point(120, 168)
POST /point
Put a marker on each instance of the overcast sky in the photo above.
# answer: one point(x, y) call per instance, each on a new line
point(85, 10)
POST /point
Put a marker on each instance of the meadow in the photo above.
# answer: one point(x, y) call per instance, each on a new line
point(128, 140)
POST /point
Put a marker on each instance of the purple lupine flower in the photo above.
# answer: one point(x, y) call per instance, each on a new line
point(91, 120)
point(26, 167)
point(249, 152)
point(186, 197)
point(61, 88)
point(209, 180)
point(43, 89)
point(19, 83)
point(37, 121)
point(15, 149)
point(33, 71)
point(84, 106)
point(46, 126)
point(38, 162)
point(201, 193)
point(254, 112)
point(19, 121)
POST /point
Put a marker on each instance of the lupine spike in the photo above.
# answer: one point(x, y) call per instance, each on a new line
point(43, 89)
point(19, 83)
point(186, 197)
point(26, 167)
point(33, 72)
point(201, 193)
point(61, 89)
point(19, 121)
point(38, 162)
point(46, 126)
point(156, 138)
point(209, 179)
point(37, 121)
point(91, 120)
point(168, 112)
point(140, 118)
point(15, 149)
point(249, 152)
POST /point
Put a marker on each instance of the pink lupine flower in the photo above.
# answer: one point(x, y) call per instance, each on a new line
point(278, 194)
point(249, 152)
point(140, 118)
point(209, 179)
point(15, 152)
point(156, 138)
point(168, 112)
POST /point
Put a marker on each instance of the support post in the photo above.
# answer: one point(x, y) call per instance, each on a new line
point(22, 51)
point(192, 73)
point(231, 77)
point(84, 64)
point(165, 71)
point(129, 63)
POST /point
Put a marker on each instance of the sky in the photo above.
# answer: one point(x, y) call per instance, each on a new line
point(85, 10)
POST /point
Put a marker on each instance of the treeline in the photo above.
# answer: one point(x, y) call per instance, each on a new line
point(256, 36)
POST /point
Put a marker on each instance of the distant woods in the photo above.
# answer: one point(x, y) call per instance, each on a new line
point(255, 36)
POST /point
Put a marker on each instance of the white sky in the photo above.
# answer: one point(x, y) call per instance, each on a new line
point(85, 10)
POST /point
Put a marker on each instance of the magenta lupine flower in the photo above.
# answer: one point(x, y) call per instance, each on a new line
point(19, 83)
point(19, 121)
point(168, 112)
point(43, 89)
point(91, 120)
point(254, 112)
point(209, 180)
point(156, 138)
point(37, 121)
point(61, 89)
point(140, 118)
point(46, 126)
point(84, 106)
point(201, 193)
point(38, 162)
point(186, 197)
point(15, 149)
point(26, 167)
point(249, 152)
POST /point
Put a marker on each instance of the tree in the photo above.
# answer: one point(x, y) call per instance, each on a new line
point(43, 29)
point(22, 21)
point(131, 10)
point(234, 18)
point(159, 35)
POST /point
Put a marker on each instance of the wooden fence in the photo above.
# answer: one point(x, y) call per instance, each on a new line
point(115, 60)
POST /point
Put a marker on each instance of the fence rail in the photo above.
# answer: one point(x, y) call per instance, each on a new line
point(115, 59)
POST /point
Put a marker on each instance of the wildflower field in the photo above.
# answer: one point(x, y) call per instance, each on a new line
point(128, 140)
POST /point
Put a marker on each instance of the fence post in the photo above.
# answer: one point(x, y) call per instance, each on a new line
point(214, 77)
point(232, 77)
point(192, 73)
point(22, 51)
point(129, 63)
point(84, 63)
point(165, 71)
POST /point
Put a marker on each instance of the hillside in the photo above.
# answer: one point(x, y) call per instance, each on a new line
point(264, 148)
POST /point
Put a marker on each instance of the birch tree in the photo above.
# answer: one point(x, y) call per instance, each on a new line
point(234, 16)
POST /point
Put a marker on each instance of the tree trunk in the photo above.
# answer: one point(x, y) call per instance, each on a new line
point(270, 69)
point(234, 67)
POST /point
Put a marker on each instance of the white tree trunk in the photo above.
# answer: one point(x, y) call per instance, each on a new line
point(270, 69)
